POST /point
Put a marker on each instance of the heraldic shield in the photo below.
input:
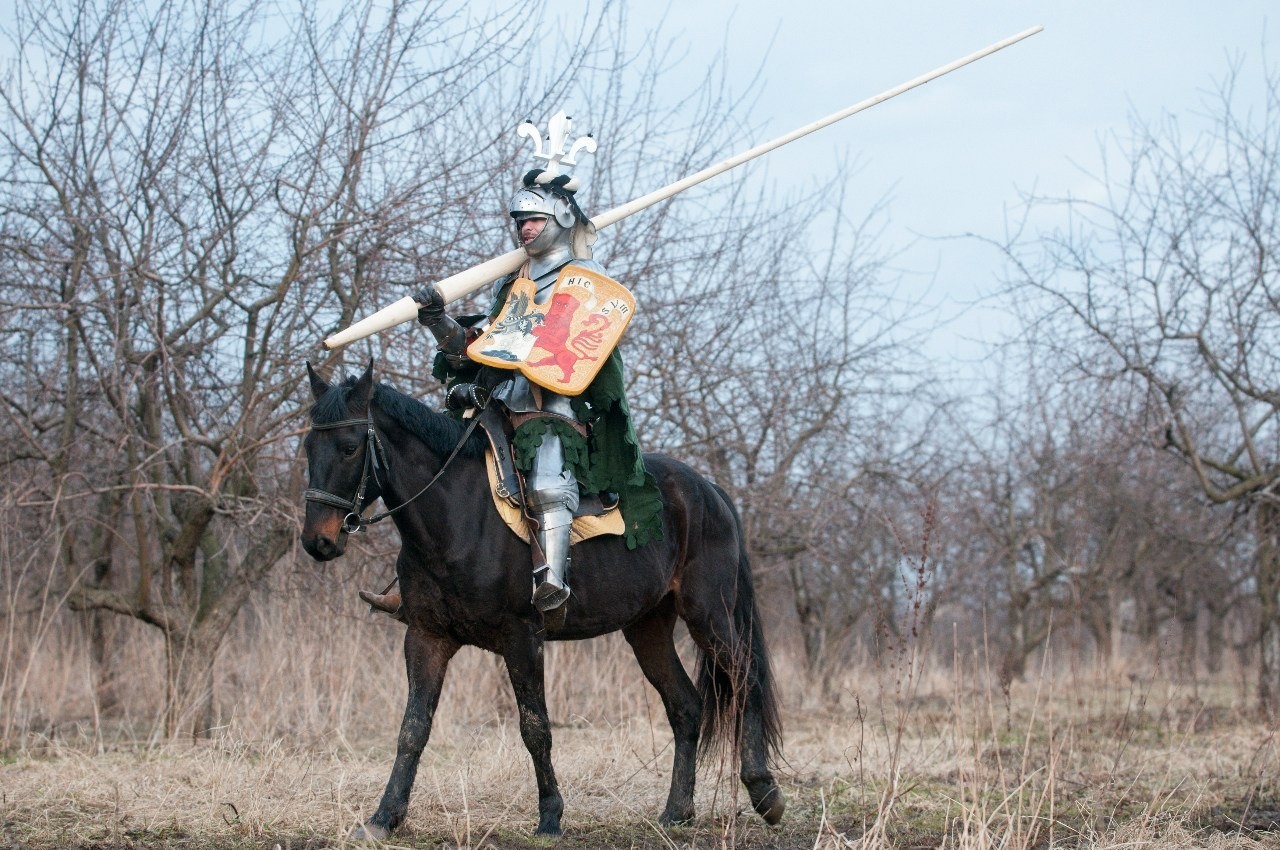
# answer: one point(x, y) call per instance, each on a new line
point(562, 343)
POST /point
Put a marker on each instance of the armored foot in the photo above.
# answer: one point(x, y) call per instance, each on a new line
point(549, 592)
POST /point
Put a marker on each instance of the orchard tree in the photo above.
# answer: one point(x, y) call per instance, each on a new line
point(1170, 285)
point(193, 195)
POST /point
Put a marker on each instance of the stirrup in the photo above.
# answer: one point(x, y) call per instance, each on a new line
point(549, 592)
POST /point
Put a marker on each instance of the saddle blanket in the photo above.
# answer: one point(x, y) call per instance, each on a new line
point(584, 527)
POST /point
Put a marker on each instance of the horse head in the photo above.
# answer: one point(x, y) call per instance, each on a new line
point(342, 463)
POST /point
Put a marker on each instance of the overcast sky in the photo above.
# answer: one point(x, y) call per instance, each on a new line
point(951, 157)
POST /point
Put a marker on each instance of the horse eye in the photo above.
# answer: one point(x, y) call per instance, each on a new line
point(349, 449)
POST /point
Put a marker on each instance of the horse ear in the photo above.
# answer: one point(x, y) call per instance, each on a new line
point(363, 389)
point(319, 386)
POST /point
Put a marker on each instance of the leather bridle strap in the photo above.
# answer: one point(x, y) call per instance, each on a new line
point(466, 435)
point(353, 521)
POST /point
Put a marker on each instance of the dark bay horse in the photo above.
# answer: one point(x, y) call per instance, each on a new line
point(465, 580)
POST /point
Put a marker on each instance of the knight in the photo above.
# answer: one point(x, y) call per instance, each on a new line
point(565, 444)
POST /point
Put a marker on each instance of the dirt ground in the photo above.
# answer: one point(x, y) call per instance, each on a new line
point(1033, 770)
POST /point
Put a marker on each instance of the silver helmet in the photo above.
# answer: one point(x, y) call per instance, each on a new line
point(555, 245)
point(551, 243)
point(542, 200)
point(560, 239)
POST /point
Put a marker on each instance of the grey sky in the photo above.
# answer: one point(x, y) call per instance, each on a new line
point(952, 157)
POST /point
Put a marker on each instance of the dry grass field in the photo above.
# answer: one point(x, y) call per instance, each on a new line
point(902, 754)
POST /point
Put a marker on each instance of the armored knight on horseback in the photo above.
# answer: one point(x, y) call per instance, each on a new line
point(465, 589)
point(546, 356)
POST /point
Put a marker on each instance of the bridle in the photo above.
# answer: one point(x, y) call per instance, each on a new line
point(354, 520)
point(373, 449)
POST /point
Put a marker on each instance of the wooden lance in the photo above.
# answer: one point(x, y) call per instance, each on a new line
point(465, 282)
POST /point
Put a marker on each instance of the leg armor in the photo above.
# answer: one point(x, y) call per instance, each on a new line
point(552, 497)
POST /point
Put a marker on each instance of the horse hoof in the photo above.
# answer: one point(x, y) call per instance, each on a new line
point(771, 806)
point(370, 832)
point(669, 819)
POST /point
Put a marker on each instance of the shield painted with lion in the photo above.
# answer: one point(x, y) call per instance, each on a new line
point(562, 343)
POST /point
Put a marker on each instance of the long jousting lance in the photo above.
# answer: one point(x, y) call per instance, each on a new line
point(465, 282)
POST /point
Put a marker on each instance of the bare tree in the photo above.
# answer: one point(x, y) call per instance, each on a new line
point(1063, 520)
point(192, 197)
point(1170, 286)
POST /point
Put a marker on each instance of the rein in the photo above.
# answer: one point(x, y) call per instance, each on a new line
point(354, 521)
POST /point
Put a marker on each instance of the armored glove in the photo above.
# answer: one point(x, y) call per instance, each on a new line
point(450, 336)
point(463, 396)
point(430, 305)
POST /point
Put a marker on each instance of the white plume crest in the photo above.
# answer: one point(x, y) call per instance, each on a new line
point(549, 150)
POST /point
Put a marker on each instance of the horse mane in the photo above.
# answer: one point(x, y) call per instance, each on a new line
point(438, 431)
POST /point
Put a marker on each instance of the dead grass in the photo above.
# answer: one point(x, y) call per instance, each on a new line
point(905, 754)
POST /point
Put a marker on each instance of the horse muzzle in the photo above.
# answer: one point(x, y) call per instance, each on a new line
point(324, 548)
point(325, 540)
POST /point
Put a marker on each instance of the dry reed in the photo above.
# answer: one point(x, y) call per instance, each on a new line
point(918, 750)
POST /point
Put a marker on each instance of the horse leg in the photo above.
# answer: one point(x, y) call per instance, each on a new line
point(733, 689)
point(426, 657)
point(766, 796)
point(651, 641)
point(523, 655)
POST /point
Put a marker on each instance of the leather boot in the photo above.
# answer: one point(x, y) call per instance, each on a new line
point(388, 604)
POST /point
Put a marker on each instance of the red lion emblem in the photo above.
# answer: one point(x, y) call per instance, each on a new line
point(552, 336)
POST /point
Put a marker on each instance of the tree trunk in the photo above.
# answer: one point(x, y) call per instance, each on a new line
point(1100, 625)
point(192, 653)
point(101, 627)
point(1188, 639)
point(1267, 532)
point(102, 630)
point(189, 684)
point(1215, 640)
point(1013, 658)
point(811, 626)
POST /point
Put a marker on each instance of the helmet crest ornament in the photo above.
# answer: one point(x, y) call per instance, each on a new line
point(557, 167)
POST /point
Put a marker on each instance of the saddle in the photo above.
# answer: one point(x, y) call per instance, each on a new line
point(595, 515)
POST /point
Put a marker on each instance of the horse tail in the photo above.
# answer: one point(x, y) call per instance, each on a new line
point(743, 688)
